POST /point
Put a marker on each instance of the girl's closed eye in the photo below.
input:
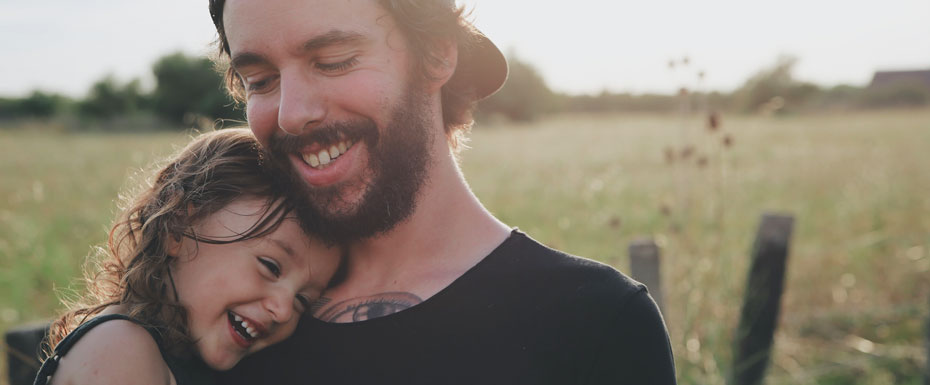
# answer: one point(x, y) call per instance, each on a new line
point(303, 303)
point(271, 265)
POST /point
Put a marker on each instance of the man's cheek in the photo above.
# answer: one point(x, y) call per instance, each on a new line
point(262, 122)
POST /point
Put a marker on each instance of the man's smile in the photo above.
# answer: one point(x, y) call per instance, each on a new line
point(325, 166)
point(322, 157)
point(328, 154)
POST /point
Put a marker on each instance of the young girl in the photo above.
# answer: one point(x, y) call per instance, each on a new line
point(206, 265)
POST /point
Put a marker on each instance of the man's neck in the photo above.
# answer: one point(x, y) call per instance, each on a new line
point(448, 233)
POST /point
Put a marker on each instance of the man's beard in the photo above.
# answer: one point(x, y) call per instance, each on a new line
point(398, 157)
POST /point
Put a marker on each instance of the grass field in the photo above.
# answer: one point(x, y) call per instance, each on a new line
point(858, 282)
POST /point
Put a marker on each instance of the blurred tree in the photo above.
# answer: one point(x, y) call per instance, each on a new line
point(524, 96)
point(43, 105)
point(775, 86)
point(108, 98)
point(37, 105)
point(189, 86)
point(766, 85)
point(841, 96)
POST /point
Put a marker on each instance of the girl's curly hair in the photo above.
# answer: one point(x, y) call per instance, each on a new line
point(133, 270)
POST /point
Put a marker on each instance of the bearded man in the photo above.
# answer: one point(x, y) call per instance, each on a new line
point(367, 102)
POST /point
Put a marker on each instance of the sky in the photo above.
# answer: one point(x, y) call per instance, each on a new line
point(582, 46)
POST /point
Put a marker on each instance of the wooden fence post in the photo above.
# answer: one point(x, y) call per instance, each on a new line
point(759, 316)
point(23, 348)
point(644, 267)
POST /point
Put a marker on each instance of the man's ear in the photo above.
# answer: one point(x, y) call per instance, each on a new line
point(441, 70)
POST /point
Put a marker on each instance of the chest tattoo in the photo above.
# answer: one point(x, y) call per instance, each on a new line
point(364, 308)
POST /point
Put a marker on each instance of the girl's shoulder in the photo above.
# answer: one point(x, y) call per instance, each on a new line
point(118, 351)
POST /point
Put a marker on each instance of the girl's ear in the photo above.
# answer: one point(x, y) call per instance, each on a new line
point(174, 244)
point(447, 53)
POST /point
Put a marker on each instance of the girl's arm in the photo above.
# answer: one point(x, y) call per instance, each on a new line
point(114, 352)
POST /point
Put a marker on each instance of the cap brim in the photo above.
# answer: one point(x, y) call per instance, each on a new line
point(483, 66)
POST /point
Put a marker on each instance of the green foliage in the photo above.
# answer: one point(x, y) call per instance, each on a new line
point(767, 84)
point(841, 96)
point(188, 89)
point(775, 89)
point(37, 105)
point(190, 86)
point(108, 99)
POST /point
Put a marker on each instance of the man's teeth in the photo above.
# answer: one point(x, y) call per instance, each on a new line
point(246, 325)
point(326, 156)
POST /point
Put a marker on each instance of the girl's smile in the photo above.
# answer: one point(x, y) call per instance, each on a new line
point(243, 296)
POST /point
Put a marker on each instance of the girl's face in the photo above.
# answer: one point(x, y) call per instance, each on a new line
point(244, 296)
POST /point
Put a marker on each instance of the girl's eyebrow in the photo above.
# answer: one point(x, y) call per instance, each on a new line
point(284, 246)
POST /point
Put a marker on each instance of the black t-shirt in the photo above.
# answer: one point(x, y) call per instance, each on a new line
point(526, 314)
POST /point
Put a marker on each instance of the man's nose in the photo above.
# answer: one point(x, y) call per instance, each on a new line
point(302, 106)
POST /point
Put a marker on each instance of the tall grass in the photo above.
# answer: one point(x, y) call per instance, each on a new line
point(858, 185)
point(858, 272)
point(57, 198)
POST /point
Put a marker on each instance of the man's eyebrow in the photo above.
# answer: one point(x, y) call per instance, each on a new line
point(246, 59)
point(327, 39)
point(332, 37)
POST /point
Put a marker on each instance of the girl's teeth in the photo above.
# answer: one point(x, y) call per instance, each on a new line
point(249, 329)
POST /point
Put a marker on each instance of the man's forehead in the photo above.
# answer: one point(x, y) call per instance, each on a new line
point(258, 26)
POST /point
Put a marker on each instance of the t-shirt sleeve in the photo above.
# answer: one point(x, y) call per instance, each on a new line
point(637, 351)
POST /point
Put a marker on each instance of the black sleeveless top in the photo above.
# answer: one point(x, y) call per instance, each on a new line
point(186, 372)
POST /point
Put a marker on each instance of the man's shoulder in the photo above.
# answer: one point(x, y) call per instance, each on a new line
point(530, 261)
point(573, 298)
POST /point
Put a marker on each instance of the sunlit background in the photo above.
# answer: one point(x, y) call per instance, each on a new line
point(673, 122)
point(582, 46)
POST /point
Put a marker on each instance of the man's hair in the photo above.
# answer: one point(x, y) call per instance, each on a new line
point(427, 25)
